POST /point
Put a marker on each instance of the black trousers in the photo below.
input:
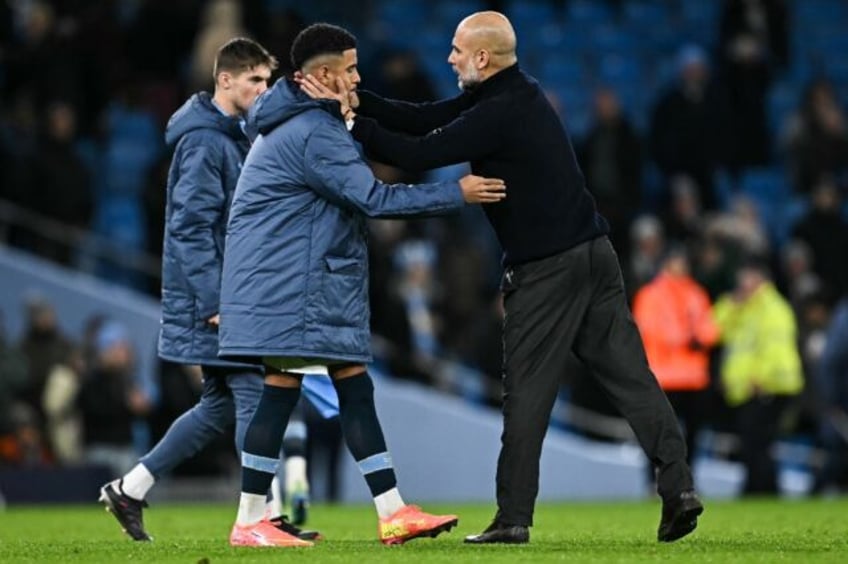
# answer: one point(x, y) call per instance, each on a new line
point(758, 426)
point(689, 408)
point(575, 301)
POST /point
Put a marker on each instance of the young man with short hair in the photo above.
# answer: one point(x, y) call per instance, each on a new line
point(209, 148)
point(295, 281)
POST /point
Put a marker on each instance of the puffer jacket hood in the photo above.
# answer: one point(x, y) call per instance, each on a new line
point(200, 113)
point(282, 102)
point(295, 272)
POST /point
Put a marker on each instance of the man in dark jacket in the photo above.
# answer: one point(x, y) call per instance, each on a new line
point(210, 146)
point(562, 285)
point(294, 289)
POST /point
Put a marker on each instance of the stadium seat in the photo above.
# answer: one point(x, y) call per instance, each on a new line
point(404, 14)
point(837, 69)
point(451, 13)
point(643, 15)
point(767, 183)
point(618, 69)
point(562, 70)
point(812, 13)
point(700, 12)
point(588, 13)
point(614, 39)
point(783, 99)
point(527, 14)
point(770, 191)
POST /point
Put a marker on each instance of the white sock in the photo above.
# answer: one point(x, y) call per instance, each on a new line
point(251, 509)
point(296, 481)
point(274, 505)
point(137, 482)
point(388, 503)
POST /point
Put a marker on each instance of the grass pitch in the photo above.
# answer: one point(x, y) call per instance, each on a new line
point(744, 531)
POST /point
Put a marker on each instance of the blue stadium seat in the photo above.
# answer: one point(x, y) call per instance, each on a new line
point(724, 188)
point(577, 123)
point(791, 213)
point(451, 13)
point(767, 183)
point(811, 13)
point(526, 14)
point(434, 41)
point(831, 43)
point(546, 41)
point(769, 189)
point(571, 39)
point(616, 68)
point(403, 14)
point(562, 70)
point(436, 65)
point(588, 12)
point(661, 40)
point(702, 12)
point(614, 39)
point(837, 69)
point(641, 14)
point(842, 93)
point(783, 99)
point(575, 107)
point(704, 35)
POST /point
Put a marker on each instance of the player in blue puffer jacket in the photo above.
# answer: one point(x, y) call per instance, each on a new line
point(294, 291)
point(210, 145)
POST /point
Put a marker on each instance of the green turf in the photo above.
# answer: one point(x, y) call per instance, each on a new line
point(751, 531)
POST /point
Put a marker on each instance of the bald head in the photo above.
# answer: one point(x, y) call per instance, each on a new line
point(484, 43)
point(493, 32)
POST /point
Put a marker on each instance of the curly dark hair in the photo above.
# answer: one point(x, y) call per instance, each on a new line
point(320, 39)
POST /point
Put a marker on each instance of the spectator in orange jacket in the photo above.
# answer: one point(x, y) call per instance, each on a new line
point(673, 315)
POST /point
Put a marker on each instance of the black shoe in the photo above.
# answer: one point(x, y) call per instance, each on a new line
point(284, 525)
point(679, 516)
point(501, 533)
point(125, 509)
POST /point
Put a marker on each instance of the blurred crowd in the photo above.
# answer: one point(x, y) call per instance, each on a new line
point(727, 214)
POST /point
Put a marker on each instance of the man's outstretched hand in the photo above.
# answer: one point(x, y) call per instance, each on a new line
point(479, 190)
point(345, 96)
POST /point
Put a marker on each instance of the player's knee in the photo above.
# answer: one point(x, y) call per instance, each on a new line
point(219, 413)
point(357, 389)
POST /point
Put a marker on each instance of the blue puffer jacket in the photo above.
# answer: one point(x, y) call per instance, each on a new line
point(210, 149)
point(295, 279)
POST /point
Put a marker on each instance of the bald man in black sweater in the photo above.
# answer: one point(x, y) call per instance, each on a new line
point(562, 283)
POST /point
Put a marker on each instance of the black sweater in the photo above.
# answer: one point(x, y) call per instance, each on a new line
point(505, 128)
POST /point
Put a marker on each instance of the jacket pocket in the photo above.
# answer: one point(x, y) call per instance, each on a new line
point(343, 265)
point(343, 300)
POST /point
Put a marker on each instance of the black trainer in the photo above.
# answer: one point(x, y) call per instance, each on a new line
point(679, 516)
point(286, 526)
point(501, 533)
point(127, 511)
